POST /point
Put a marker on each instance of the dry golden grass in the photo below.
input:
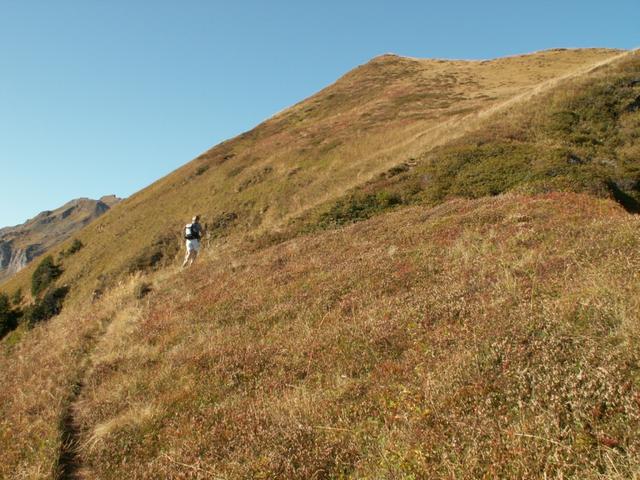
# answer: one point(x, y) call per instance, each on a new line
point(41, 372)
point(494, 338)
point(573, 133)
point(376, 116)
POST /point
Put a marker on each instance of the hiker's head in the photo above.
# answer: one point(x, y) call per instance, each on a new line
point(196, 218)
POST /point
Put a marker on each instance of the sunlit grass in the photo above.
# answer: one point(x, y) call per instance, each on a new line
point(439, 337)
point(482, 338)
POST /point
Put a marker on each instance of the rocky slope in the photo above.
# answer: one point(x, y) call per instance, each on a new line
point(20, 244)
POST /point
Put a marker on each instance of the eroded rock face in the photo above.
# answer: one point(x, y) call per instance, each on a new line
point(6, 253)
point(17, 261)
point(22, 256)
point(19, 245)
point(13, 259)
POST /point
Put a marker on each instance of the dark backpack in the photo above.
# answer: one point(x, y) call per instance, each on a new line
point(192, 231)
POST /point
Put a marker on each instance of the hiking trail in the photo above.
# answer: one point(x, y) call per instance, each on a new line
point(69, 464)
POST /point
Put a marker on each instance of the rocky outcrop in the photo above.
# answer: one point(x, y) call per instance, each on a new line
point(6, 253)
point(13, 260)
point(19, 245)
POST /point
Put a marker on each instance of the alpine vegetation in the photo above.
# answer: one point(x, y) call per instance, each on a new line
point(429, 269)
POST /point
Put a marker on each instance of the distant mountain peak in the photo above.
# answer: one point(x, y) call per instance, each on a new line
point(110, 199)
point(20, 244)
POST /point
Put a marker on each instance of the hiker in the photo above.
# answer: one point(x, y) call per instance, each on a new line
point(192, 235)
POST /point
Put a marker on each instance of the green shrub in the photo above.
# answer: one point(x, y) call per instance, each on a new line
point(44, 275)
point(16, 298)
point(160, 253)
point(49, 306)
point(386, 200)
point(562, 121)
point(583, 138)
point(76, 245)
point(358, 207)
point(589, 117)
point(201, 169)
point(8, 317)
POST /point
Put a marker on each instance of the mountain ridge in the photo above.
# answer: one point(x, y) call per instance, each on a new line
point(314, 151)
point(21, 244)
point(426, 270)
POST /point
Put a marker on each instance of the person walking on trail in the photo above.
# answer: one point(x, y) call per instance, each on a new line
point(192, 236)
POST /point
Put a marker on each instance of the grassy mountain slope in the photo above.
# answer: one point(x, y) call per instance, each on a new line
point(446, 337)
point(432, 343)
point(494, 337)
point(375, 117)
point(580, 135)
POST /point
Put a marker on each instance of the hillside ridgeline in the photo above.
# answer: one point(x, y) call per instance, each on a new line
point(427, 270)
point(385, 113)
point(19, 245)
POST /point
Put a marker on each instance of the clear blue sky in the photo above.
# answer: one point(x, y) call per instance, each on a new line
point(100, 97)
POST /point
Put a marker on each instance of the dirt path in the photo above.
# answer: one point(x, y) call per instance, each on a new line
point(70, 464)
point(69, 461)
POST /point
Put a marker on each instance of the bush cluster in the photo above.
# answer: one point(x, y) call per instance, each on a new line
point(47, 302)
point(75, 247)
point(580, 139)
point(160, 253)
point(8, 316)
point(17, 298)
point(201, 169)
point(358, 207)
point(47, 307)
point(44, 275)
